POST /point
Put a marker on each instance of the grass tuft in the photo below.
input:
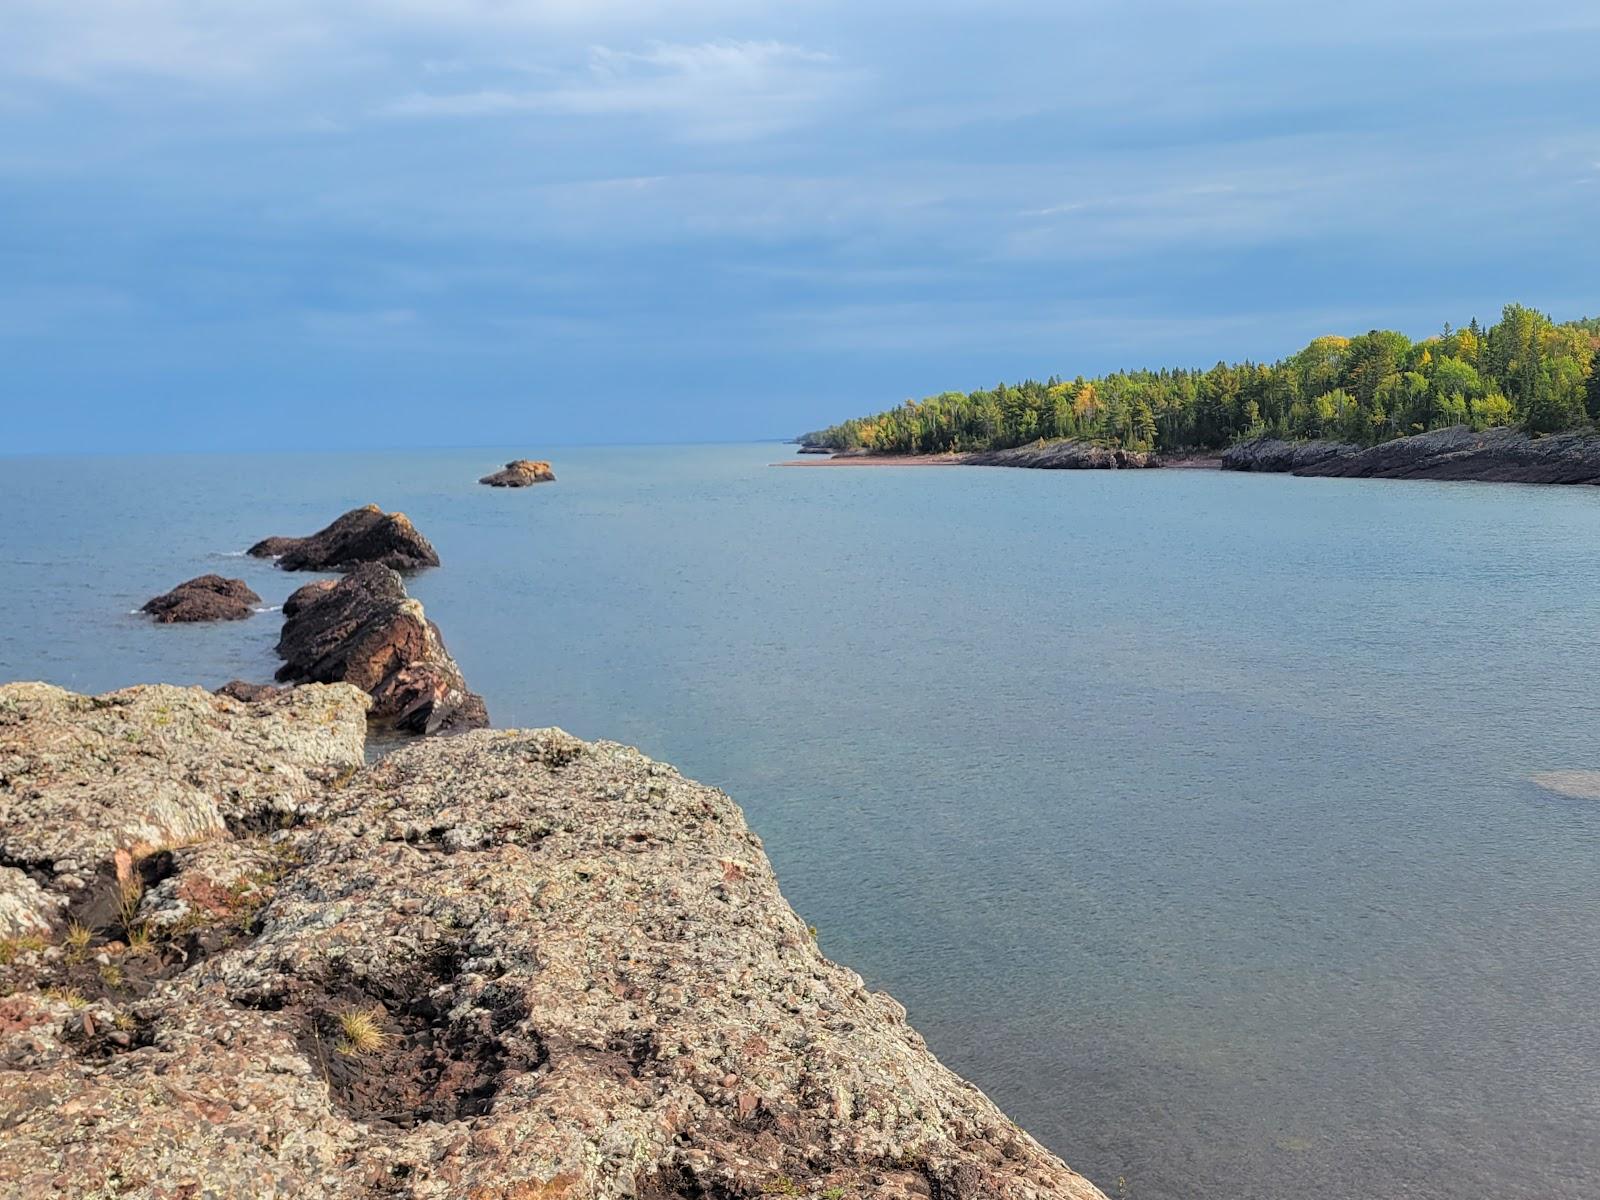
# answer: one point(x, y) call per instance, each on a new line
point(361, 1030)
point(77, 941)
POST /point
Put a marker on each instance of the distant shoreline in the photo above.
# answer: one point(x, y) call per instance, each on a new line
point(1205, 461)
point(1457, 453)
point(874, 460)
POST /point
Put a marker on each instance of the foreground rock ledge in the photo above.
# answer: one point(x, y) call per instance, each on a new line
point(362, 535)
point(578, 976)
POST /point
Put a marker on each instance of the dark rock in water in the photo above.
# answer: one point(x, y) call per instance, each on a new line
point(520, 473)
point(814, 450)
point(362, 535)
point(1063, 456)
point(205, 598)
point(238, 689)
point(308, 594)
point(364, 630)
point(1456, 453)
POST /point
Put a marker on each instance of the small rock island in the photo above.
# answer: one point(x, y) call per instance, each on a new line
point(521, 472)
point(204, 598)
point(362, 535)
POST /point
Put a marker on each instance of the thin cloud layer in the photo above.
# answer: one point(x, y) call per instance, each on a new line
point(714, 90)
point(733, 218)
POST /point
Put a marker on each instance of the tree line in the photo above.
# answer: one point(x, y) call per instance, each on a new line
point(1525, 370)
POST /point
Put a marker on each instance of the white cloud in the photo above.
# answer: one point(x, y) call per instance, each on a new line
point(722, 90)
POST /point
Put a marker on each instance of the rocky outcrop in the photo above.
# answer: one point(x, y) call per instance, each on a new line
point(1457, 453)
point(500, 967)
point(82, 778)
point(1276, 456)
point(362, 535)
point(1063, 455)
point(204, 598)
point(364, 630)
point(520, 473)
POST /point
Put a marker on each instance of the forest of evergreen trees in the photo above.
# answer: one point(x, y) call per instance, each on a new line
point(1526, 370)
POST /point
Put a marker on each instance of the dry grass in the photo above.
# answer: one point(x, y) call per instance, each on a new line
point(77, 941)
point(361, 1030)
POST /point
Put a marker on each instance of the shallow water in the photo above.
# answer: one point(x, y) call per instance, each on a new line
point(1189, 813)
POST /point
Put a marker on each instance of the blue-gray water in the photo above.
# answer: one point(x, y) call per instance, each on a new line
point(1189, 813)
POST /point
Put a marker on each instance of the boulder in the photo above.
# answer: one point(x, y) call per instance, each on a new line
point(364, 630)
point(503, 966)
point(520, 473)
point(204, 598)
point(362, 535)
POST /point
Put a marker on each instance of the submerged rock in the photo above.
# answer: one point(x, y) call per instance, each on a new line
point(362, 535)
point(506, 965)
point(364, 630)
point(1576, 784)
point(204, 598)
point(1456, 453)
point(1063, 455)
point(520, 473)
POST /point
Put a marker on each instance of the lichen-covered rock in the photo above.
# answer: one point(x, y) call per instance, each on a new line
point(26, 909)
point(83, 778)
point(204, 598)
point(503, 966)
point(362, 535)
point(521, 472)
point(364, 630)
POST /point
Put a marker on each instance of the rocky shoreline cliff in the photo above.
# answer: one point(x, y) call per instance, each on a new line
point(1457, 453)
point(508, 965)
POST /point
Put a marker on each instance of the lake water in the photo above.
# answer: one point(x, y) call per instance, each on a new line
point(1189, 813)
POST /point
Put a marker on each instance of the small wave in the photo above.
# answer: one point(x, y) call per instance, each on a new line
point(269, 608)
point(231, 553)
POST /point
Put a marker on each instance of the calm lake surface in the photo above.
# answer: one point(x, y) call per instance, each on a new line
point(1189, 813)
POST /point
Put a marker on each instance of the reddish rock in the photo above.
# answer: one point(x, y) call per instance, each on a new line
point(362, 535)
point(364, 630)
point(520, 473)
point(238, 689)
point(205, 598)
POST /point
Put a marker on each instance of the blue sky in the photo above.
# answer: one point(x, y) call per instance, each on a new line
point(523, 223)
